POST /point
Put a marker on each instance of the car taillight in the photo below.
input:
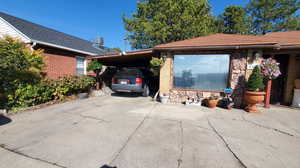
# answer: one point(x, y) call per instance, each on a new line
point(113, 80)
point(138, 80)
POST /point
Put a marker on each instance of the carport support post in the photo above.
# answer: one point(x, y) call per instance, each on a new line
point(165, 81)
point(268, 94)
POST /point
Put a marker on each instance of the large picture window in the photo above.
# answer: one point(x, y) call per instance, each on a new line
point(201, 72)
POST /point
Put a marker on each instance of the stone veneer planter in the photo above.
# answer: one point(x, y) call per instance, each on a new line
point(180, 96)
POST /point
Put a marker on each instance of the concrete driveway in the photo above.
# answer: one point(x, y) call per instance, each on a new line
point(133, 132)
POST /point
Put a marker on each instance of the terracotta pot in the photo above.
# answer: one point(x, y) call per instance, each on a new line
point(252, 98)
point(212, 103)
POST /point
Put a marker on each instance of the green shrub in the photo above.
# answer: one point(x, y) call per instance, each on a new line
point(94, 66)
point(255, 82)
point(19, 66)
point(21, 82)
point(30, 94)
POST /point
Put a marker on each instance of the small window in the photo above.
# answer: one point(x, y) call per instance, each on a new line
point(201, 72)
point(80, 66)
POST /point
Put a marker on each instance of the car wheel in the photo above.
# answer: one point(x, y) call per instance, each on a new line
point(146, 91)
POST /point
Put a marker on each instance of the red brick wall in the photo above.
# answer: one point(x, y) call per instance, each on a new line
point(59, 63)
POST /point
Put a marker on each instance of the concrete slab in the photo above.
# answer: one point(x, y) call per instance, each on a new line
point(11, 159)
point(136, 132)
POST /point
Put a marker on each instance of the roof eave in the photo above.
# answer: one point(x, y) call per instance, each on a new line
point(230, 47)
point(131, 53)
point(62, 47)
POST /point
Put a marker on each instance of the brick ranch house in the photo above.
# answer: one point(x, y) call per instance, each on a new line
point(204, 66)
point(64, 54)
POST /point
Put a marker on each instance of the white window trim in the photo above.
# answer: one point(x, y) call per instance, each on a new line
point(84, 64)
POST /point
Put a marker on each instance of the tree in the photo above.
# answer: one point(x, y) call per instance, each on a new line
point(234, 20)
point(162, 21)
point(271, 15)
point(290, 23)
point(117, 49)
point(18, 65)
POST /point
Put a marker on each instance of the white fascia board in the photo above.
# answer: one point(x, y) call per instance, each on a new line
point(62, 47)
point(28, 40)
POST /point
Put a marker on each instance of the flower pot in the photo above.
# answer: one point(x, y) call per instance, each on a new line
point(164, 99)
point(82, 95)
point(212, 103)
point(252, 98)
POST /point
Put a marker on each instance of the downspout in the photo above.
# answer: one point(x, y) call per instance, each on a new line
point(290, 47)
point(33, 45)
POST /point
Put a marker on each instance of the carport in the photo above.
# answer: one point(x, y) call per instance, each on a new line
point(139, 58)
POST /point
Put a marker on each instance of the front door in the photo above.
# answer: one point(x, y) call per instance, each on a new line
point(278, 85)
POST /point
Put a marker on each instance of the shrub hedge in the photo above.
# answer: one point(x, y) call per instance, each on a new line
point(31, 94)
point(22, 83)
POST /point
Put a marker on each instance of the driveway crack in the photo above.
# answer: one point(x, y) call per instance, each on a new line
point(179, 160)
point(226, 144)
point(3, 146)
point(270, 128)
point(131, 135)
point(89, 117)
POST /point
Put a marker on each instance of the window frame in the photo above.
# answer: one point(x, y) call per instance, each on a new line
point(201, 90)
point(84, 65)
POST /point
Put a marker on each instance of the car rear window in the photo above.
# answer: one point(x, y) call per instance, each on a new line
point(129, 72)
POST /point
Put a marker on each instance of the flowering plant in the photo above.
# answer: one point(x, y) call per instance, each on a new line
point(270, 68)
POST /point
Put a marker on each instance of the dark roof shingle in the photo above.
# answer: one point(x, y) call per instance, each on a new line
point(41, 33)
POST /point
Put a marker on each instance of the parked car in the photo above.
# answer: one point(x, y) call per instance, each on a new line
point(131, 80)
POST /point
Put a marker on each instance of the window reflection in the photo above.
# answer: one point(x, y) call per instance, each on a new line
point(201, 72)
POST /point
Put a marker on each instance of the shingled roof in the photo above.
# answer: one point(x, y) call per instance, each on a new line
point(276, 39)
point(43, 35)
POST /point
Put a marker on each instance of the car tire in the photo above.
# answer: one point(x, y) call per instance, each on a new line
point(146, 91)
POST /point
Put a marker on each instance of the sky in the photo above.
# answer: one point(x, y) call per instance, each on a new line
point(87, 19)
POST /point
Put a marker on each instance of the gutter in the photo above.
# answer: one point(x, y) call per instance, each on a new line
point(290, 47)
point(272, 46)
point(61, 47)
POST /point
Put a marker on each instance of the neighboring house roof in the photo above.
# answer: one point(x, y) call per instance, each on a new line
point(221, 41)
point(46, 36)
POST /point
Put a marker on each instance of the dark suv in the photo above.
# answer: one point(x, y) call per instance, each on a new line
point(130, 80)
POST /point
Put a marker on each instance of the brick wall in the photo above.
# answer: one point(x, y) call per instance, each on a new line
point(59, 63)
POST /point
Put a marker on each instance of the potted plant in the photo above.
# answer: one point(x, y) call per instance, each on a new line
point(164, 98)
point(270, 70)
point(212, 101)
point(254, 93)
point(96, 67)
point(155, 65)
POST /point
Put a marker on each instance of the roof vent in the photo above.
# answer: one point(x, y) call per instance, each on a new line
point(99, 42)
